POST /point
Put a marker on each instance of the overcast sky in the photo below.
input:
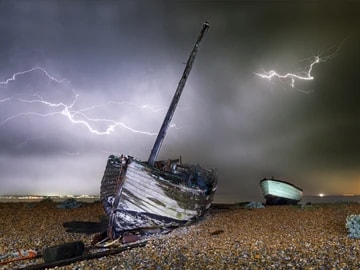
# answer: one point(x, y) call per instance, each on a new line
point(119, 62)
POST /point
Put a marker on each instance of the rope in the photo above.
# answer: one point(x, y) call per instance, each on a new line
point(18, 256)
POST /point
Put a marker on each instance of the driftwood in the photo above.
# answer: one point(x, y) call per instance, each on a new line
point(84, 257)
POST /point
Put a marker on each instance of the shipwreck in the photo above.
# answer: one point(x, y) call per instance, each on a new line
point(139, 198)
point(148, 195)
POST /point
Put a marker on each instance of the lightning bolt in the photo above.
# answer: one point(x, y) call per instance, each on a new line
point(305, 75)
point(15, 75)
point(75, 116)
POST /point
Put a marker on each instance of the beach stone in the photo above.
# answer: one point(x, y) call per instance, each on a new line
point(254, 205)
point(276, 237)
point(69, 204)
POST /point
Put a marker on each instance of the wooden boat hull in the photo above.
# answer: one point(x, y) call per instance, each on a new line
point(137, 196)
point(278, 192)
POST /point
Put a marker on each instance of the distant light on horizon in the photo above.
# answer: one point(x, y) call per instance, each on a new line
point(321, 194)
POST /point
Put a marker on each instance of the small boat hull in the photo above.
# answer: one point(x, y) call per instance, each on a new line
point(278, 192)
point(136, 196)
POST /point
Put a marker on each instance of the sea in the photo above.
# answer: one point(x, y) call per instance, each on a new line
point(314, 199)
point(38, 198)
point(219, 199)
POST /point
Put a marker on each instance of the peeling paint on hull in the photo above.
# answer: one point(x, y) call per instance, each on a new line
point(170, 194)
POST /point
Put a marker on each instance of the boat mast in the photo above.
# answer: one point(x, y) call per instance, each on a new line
point(175, 100)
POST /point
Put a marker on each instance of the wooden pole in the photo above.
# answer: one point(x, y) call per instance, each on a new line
point(167, 120)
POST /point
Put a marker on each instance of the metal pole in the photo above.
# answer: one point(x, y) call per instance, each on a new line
point(175, 100)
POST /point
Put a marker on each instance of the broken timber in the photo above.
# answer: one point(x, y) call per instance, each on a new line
point(88, 256)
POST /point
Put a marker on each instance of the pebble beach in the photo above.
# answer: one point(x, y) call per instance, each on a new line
point(227, 237)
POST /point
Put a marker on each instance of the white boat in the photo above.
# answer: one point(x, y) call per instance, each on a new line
point(277, 192)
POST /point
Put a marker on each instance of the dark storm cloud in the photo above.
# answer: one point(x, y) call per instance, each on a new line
point(229, 119)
